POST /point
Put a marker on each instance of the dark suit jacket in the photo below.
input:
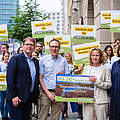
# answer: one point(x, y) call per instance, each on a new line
point(19, 78)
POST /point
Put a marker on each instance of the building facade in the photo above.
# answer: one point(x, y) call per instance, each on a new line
point(64, 14)
point(55, 16)
point(7, 10)
point(87, 12)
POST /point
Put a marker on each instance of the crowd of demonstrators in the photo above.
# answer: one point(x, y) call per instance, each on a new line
point(3, 68)
point(31, 68)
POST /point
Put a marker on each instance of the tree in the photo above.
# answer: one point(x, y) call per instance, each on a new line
point(22, 22)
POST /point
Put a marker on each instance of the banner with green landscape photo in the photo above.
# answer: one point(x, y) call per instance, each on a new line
point(65, 42)
point(40, 29)
point(115, 21)
point(3, 32)
point(83, 34)
point(105, 18)
point(74, 88)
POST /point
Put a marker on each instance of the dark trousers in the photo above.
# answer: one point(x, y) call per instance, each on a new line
point(22, 111)
point(3, 105)
point(80, 110)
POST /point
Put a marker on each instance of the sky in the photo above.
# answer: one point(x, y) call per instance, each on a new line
point(47, 5)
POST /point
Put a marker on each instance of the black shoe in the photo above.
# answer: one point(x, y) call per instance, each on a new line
point(36, 116)
point(80, 116)
point(6, 118)
point(48, 114)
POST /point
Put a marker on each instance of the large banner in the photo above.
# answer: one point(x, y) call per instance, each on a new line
point(83, 34)
point(64, 40)
point(115, 21)
point(81, 52)
point(74, 88)
point(3, 32)
point(40, 29)
point(105, 18)
point(3, 84)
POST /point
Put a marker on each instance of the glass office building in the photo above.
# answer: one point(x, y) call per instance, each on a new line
point(7, 10)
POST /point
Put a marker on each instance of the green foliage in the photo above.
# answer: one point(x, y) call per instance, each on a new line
point(22, 22)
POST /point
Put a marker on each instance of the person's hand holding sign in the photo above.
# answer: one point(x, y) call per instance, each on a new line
point(92, 79)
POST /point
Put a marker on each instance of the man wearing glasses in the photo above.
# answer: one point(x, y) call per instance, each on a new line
point(22, 82)
point(39, 48)
point(50, 65)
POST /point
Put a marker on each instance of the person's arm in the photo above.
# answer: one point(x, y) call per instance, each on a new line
point(78, 71)
point(51, 97)
point(106, 82)
point(16, 101)
point(66, 71)
point(41, 75)
point(11, 81)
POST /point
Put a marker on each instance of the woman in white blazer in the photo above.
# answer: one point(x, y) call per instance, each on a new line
point(101, 77)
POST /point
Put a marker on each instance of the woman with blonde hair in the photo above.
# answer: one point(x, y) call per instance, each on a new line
point(100, 76)
point(72, 70)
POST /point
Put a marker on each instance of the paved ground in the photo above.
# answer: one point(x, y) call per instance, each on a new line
point(71, 116)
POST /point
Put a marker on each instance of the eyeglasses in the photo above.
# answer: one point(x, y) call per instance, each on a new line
point(31, 45)
point(39, 46)
point(54, 47)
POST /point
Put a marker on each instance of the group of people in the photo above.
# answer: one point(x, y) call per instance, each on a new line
point(4, 58)
point(31, 78)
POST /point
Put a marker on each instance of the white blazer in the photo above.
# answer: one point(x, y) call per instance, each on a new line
point(102, 84)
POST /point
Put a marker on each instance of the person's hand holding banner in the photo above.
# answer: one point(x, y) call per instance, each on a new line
point(92, 79)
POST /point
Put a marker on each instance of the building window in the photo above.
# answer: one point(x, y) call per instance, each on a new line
point(58, 25)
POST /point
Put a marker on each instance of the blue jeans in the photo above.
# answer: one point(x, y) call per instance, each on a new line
point(74, 106)
point(3, 105)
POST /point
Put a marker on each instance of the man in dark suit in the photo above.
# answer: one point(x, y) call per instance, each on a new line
point(22, 82)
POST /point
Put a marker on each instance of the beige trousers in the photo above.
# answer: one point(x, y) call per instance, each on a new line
point(45, 105)
point(89, 111)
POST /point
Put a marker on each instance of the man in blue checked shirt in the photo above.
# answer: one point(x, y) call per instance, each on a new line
point(50, 65)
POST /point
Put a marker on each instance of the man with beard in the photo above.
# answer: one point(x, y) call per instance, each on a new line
point(39, 48)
